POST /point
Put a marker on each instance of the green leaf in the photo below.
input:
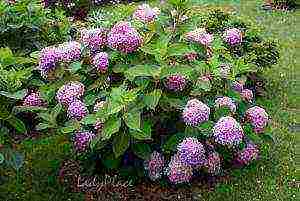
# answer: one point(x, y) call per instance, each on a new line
point(132, 119)
point(55, 111)
point(144, 133)
point(248, 130)
point(6, 57)
point(201, 86)
point(141, 150)
point(234, 95)
point(90, 99)
point(120, 68)
point(171, 144)
point(221, 112)
point(75, 66)
point(70, 127)
point(1, 158)
point(142, 71)
point(42, 126)
point(111, 126)
point(151, 99)
point(18, 95)
point(17, 124)
point(89, 119)
point(184, 70)
point(110, 162)
point(18, 109)
point(178, 49)
point(120, 144)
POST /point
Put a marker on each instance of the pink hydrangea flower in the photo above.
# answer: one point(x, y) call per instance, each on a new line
point(48, 59)
point(195, 112)
point(77, 110)
point(247, 95)
point(225, 102)
point(145, 13)
point(69, 92)
point(154, 166)
point(200, 36)
point(248, 154)
point(94, 39)
point(100, 61)
point(33, 99)
point(258, 118)
point(227, 131)
point(70, 51)
point(233, 36)
point(176, 82)
point(81, 140)
point(213, 163)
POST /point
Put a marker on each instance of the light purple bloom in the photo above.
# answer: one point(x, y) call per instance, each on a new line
point(124, 38)
point(48, 59)
point(237, 86)
point(70, 51)
point(248, 154)
point(191, 152)
point(145, 13)
point(98, 125)
point(33, 99)
point(69, 92)
point(233, 36)
point(77, 110)
point(100, 61)
point(195, 112)
point(178, 172)
point(81, 140)
point(225, 102)
point(213, 163)
point(155, 165)
point(247, 95)
point(200, 36)
point(176, 82)
point(94, 39)
point(258, 118)
point(227, 131)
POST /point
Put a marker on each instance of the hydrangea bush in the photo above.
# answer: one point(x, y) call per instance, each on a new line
point(113, 88)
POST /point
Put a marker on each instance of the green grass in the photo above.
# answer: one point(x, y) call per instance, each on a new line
point(266, 181)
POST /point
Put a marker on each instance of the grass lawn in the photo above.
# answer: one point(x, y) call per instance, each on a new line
point(270, 180)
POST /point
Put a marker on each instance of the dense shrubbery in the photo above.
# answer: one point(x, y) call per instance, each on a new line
point(161, 91)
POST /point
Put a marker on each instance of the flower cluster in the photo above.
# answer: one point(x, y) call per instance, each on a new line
point(69, 92)
point(48, 59)
point(192, 56)
point(258, 118)
point(200, 36)
point(178, 172)
point(154, 166)
point(213, 163)
point(191, 152)
point(176, 82)
point(33, 99)
point(100, 61)
point(145, 13)
point(227, 131)
point(81, 140)
point(124, 38)
point(247, 95)
point(99, 123)
point(77, 110)
point(225, 102)
point(248, 154)
point(94, 39)
point(195, 112)
point(70, 51)
point(233, 36)
point(237, 86)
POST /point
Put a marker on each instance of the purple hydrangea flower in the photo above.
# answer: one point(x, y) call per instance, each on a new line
point(100, 61)
point(98, 125)
point(248, 154)
point(247, 95)
point(237, 86)
point(227, 131)
point(124, 38)
point(213, 163)
point(176, 82)
point(81, 140)
point(233, 36)
point(94, 39)
point(70, 51)
point(155, 165)
point(145, 13)
point(200, 36)
point(225, 70)
point(195, 112)
point(258, 118)
point(225, 102)
point(191, 152)
point(69, 92)
point(77, 110)
point(33, 99)
point(178, 172)
point(48, 59)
